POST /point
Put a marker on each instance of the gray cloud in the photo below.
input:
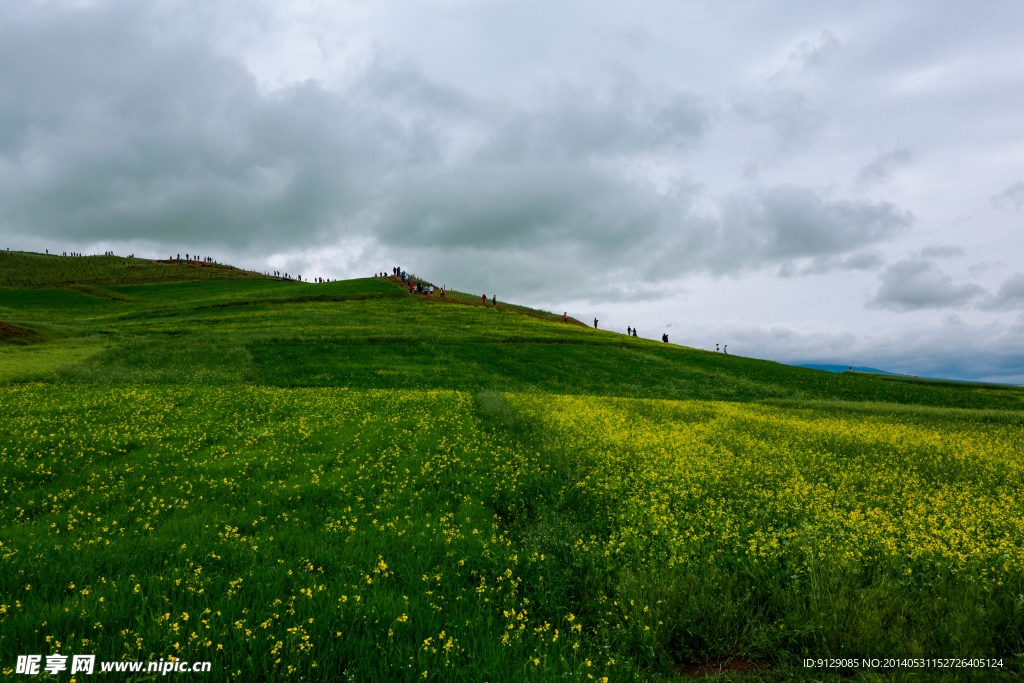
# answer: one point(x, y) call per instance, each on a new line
point(491, 224)
point(1012, 198)
point(871, 259)
point(787, 222)
point(942, 251)
point(913, 284)
point(538, 224)
point(793, 120)
point(816, 52)
point(1009, 296)
point(118, 132)
point(494, 206)
point(881, 169)
point(611, 119)
point(783, 104)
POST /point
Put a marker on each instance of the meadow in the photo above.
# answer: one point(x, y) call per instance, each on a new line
point(345, 482)
point(21, 269)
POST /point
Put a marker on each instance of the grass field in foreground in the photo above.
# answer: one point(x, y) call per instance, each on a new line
point(335, 482)
point(292, 532)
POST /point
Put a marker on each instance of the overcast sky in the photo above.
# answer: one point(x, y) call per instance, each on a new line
point(803, 181)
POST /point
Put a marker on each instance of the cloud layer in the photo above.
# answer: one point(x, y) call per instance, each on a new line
point(116, 129)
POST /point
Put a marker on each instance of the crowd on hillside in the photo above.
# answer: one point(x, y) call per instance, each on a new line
point(79, 254)
point(193, 257)
point(426, 289)
point(415, 285)
point(418, 287)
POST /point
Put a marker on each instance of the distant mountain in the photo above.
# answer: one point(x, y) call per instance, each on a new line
point(844, 368)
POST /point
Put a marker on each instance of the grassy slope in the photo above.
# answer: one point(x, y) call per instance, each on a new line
point(369, 333)
point(198, 352)
point(20, 269)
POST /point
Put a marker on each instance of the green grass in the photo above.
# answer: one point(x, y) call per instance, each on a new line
point(296, 466)
point(17, 363)
point(368, 333)
point(29, 270)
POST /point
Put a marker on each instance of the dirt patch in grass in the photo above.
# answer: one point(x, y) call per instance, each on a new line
point(714, 667)
point(98, 292)
point(13, 331)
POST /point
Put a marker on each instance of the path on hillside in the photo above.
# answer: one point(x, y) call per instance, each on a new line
point(394, 279)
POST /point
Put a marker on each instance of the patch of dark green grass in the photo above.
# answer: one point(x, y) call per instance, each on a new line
point(649, 371)
point(199, 361)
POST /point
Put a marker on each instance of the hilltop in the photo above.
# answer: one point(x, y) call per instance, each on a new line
point(21, 269)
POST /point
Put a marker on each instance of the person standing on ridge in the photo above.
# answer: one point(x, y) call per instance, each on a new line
point(629, 330)
point(595, 323)
point(494, 300)
point(483, 299)
point(565, 317)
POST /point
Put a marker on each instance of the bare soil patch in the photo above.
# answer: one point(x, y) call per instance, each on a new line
point(12, 331)
point(714, 667)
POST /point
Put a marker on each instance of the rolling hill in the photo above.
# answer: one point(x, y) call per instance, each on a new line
point(343, 480)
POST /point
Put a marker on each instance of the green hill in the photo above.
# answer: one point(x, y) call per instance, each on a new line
point(19, 269)
point(371, 333)
point(345, 480)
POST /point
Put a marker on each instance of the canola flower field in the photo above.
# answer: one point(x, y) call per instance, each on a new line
point(339, 534)
point(687, 481)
